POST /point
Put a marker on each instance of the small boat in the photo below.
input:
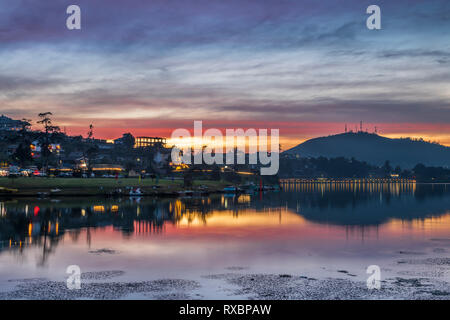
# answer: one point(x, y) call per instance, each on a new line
point(249, 187)
point(8, 190)
point(136, 192)
point(271, 188)
point(186, 193)
point(116, 192)
point(231, 190)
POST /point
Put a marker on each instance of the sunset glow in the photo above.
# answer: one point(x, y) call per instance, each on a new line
point(306, 68)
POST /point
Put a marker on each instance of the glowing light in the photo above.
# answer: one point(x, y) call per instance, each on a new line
point(246, 173)
point(99, 209)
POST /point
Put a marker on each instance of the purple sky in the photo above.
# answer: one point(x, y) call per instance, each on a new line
point(137, 63)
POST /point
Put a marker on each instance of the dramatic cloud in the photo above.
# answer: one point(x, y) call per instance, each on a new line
point(281, 61)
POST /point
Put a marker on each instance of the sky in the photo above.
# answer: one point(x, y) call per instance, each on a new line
point(306, 67)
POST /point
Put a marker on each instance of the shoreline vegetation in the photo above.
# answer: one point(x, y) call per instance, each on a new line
point(170, 187)
point(84, 187)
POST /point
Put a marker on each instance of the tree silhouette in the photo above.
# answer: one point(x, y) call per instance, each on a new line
point(46, 137)
point(23, 152)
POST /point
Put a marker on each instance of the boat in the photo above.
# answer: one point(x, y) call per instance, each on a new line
point(185, 193)
point(116, 192)
point(269, 188)
point(136, 192)
point(8, 190)
point(231, 189)
point(249, 187)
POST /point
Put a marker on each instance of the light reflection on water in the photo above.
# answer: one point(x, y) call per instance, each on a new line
point(305, 224)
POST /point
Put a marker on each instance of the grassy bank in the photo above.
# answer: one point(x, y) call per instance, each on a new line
point(101, 186)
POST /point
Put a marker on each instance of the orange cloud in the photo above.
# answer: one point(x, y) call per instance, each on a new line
point(291, 133)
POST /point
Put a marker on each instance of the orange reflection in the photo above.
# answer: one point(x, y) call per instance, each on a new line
point(246, 218)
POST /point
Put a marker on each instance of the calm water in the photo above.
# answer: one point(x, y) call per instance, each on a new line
point(309, 229)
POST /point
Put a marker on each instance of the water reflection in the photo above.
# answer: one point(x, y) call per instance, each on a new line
point(44, 223)
point(366, 204)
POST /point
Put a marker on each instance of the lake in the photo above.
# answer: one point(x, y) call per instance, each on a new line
point(299, 242)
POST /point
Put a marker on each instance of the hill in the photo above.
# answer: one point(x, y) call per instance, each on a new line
point(375, 149)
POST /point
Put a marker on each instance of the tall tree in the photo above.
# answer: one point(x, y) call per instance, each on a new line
point(46, 137)
point(90, 133)
point(387, 169)
point(23, 152)
point(90, 149)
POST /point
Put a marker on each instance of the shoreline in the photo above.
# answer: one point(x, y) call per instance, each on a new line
point(43, 187)
point(106, 187)
point(241, 283)
point(77, 194)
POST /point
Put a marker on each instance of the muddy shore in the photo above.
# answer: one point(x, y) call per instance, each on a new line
point(412, 278)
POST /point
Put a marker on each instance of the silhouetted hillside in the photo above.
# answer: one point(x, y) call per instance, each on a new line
point(375, 149)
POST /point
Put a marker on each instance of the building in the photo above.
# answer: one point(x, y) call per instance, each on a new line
point(126, 139)
point(144, 142)
point(10, 124)
point(36, 149)
point(104, 145)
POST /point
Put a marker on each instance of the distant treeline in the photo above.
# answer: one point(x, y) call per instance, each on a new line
point(431, 174)
point(341, 167)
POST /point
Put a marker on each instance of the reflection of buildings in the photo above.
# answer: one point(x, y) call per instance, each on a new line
point(385, 186)
point(364, 205)
point(359, 209)
point(26, 222)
